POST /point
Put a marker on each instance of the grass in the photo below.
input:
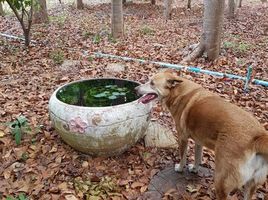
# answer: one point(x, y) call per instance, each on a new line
point(57, 56)
point(60, 19)
point(238, 47)
point(146, 30)
point(19, 197)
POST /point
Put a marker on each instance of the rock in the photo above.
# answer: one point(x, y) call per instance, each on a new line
point(150, 195)
point(70, 65)
point(159, 136)
point(114, 69)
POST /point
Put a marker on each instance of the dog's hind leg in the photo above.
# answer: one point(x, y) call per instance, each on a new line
point(197, 160)
point(183, 154)
point(226, 179)
point(250, 188)
point(221, 192)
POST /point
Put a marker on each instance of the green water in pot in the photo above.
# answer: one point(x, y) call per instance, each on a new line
point(98, 92)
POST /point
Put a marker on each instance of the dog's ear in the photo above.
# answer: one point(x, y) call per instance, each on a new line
point(171, 83)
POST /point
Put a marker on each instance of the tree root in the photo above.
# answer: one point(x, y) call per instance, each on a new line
point(197, 52)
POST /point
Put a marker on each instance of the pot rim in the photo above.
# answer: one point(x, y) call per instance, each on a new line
point(89, 107)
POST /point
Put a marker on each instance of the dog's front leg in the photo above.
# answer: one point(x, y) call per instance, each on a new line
point(197, 160)
point(183, 152)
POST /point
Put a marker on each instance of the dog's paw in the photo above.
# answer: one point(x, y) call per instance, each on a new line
point(178, 168)
point(192, 168)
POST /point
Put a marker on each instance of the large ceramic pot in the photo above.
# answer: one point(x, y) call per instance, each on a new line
point(101, 131)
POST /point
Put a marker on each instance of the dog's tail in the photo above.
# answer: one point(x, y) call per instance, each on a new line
point(260, 144)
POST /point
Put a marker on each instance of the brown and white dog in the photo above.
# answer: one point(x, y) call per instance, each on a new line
point(239, 141)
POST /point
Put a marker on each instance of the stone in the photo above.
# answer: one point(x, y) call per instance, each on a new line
point(70, 65)
point(159, 136)
point(150, 195)
point(169, 182)
point(113, 69)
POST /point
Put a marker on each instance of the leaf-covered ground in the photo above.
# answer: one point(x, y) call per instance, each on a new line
point(44, 167)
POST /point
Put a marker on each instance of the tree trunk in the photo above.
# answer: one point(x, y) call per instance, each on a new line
point(231, 9)
point(79, 4)
point(26, 34)
point(153, 2)
point(2, 13)
point(25, 19)
point(212, 29)
point(189, 4)
point(117, 19)
point(239, 3)
point(40, 12)
point(168, 9)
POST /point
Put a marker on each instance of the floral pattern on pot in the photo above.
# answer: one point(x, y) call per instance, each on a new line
point(77, 125)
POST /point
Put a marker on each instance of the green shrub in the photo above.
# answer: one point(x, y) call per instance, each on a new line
point(18, 127)
point(57, 56)
point(145, 30)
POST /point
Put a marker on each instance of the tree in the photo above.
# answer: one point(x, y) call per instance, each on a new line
point(189, 4)
point(167, 9)
point(212, 29)
point(40, 12)
point(239, 3)
point(231, 9)
point(117, 19)
point(2, 13)
point(23, 10)
point(79, 4)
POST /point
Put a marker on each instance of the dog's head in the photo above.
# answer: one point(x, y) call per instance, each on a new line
point(159, 86)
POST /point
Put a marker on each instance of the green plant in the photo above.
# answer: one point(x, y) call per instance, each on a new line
point(90, 58)
point(241, 47)
point(145, 30)
point(24, 156)
point(57, 56)
point(111, 38)
point(60, 20)
point(109, 91)
point(18, 127)
point(19, 197)
point(96, 39)
point(87, 34)
point(23, 10)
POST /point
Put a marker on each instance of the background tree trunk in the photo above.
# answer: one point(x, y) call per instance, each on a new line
point(40, 12)
point(212, 29)
point(168, 9)
point(153, 2)
point(239, 3)
point(231, 9)
point(189, 4)
point(117, 19)
point(79, 4)
point(213, 20)
point(2, 13)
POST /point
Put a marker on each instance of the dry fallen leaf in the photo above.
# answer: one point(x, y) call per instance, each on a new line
point(2, 134)
point(70, 197)
point(28, 78)
point(137, 184)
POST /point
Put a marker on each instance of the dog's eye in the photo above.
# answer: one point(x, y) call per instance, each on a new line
point(152, 83)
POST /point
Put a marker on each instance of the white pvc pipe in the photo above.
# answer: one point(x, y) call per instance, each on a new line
point(14, 37)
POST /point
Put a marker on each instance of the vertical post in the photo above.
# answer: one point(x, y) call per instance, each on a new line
point(248, 78)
